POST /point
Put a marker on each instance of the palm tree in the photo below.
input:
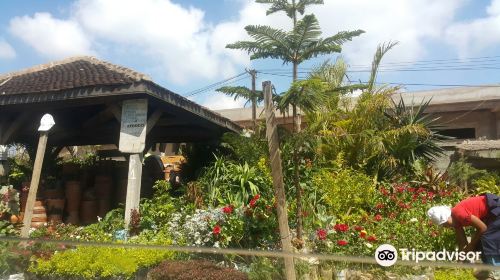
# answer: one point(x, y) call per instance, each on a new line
point(303, 42)
point(295, 47)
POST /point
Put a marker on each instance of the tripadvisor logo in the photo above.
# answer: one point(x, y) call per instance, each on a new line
point(387, 255)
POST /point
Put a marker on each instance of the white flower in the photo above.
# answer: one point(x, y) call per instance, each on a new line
point(369, 245)
point(414, 220)
point(99, 219)
point(216, 244)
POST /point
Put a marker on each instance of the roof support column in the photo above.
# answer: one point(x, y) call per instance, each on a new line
point(133, 186)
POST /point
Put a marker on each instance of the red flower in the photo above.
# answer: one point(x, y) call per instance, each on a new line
point(362, 234)
point(384, 191)
point(400, 189)
point(421, 190)
point(253, 201)
point(392, 216)
point(358, 228)
point(411, 190)
point(341, 227)
point(216, 230)
point(342, 242)
point(227, 209)
point(371, 238)
point(430, 195)
point(378, 218)
point(321, 234)
point(379, 206)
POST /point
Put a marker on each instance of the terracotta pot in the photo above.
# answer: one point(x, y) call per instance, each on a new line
point(104, 186)
point(88, 211)
point(55, 205)
point(70, 168)
point(104, 207)
point(39, 215)
point(73, 218)
point(14, 219)
point(73, 195)
point(55, 218)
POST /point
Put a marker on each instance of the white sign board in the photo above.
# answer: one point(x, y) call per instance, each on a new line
point(133, 126)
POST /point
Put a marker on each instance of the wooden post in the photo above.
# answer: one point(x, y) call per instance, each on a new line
point(35, 180)
point(277, 174)
point(133, 185)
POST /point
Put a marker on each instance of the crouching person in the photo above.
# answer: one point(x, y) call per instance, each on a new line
point(481, 212)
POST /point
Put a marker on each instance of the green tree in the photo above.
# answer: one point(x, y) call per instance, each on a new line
point(253, 97)
point(303, 42)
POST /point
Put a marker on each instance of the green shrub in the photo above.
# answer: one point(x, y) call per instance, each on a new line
point(487, 183)
point(346, 190)
point(97, 262)
point(454, 274)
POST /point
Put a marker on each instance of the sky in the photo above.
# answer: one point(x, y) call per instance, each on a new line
point(181, 44)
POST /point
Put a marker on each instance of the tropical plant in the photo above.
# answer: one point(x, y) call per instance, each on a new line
point(462, 173)
point(303, 42)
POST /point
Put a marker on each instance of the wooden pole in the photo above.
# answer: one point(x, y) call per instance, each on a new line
point(277, 174)
point(253, 73)
point(133, 186)
point(35, 180)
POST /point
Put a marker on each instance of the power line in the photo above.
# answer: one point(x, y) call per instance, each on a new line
point(211, 86)
point(216, 86)
point(405, 84)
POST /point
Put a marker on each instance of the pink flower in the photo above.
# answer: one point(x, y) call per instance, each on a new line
point(216, 230)
point(342, 243)
point(321, 234)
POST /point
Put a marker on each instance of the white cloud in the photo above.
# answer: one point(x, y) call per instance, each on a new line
point(220, 102)
point(6, 50)
point(51, 37)
point(472, 37)
point(163, 33)
point(408, 21)
point(189, 48)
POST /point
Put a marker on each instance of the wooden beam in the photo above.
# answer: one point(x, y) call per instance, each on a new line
point(117, 112)
point(153, 119)
point(14, 126)
point(102, 116)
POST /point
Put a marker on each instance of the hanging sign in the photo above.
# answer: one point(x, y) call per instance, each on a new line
point(133, 126)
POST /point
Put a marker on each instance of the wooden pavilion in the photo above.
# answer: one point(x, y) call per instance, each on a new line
point(85, 96)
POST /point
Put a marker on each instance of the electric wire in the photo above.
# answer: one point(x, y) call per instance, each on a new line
point(211, 86)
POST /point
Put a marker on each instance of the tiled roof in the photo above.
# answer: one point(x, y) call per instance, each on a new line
point(76, 72)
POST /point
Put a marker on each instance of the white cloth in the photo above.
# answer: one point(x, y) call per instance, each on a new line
point(439, 214)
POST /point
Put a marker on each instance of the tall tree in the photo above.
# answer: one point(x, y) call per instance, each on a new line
point(303, 42)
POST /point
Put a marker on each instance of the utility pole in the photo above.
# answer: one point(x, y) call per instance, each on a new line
point(253, 73)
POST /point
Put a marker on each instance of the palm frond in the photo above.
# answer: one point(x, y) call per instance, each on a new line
point(302, 4)
point(377, 58)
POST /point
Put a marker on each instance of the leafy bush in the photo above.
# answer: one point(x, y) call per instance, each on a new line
point(454, 274)
point(157, 211)
point(97, 262)
point(397, 216)
point(487, 183)
point(345, 191)
point(194, 269)
point(9, 200)
point(232, 183)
